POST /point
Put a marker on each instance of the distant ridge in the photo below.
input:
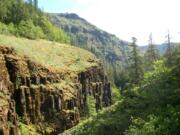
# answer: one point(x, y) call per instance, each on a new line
point(161, 47)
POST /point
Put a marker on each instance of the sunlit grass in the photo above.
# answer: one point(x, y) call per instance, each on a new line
point(27, 129)
point(52, 54)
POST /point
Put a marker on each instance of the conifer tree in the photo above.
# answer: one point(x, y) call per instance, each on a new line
point(170, 51)
point(4, 7)
point(151, 54)
point(36, 3)
point(30, 2)
point(135, 63)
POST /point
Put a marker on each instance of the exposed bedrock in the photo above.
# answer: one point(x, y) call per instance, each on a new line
point(38, 95)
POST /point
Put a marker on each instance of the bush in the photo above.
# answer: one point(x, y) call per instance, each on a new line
point(116, 96)
point(12, 29)
point(4, 29)
point(29, 30)
point(90, 109)
point(167, 122)
point(52, 32)
point(27, 129)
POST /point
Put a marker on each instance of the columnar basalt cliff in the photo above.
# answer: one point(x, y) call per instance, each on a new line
point(38, 94)
point(8, 119)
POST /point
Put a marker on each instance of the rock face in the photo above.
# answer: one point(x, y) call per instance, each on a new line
point(8, 120)
point(39, 94)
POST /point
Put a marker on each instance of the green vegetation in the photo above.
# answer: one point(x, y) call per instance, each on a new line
point(91, 109)
point(115, 54)
point(116, 96)
point(29, 30)
point(27, 129)
point(146, 92)
point(112, 51)
point(135, 65)
point(151, 55)
point(51, 54)
point(149, 108)
point(166, 123)
point(24, 19)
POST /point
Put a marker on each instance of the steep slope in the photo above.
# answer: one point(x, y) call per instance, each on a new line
point(152, 108)
point(85, 35)
point(46, 85)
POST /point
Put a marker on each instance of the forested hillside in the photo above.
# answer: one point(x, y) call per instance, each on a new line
point(111, 50)
point(150, 108)
point(24, 19)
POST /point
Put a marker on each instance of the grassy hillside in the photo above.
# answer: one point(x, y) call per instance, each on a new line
point(51, 54)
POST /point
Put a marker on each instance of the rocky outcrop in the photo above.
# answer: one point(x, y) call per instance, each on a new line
point(8, 119)
point(39, 94)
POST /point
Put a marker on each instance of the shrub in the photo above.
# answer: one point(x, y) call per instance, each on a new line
point(165, 123)
point(116, 96)
point(12, 29)
point(52, 32)
point(91, 106)
point(29, 30)
point(3, 29)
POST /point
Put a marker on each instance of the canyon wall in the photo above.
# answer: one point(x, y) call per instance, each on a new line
point(36, 94)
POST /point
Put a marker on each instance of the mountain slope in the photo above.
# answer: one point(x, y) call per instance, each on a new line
point(112, 51)
point(85, 35)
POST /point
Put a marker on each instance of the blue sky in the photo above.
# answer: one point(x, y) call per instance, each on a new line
point(55, 5)
point(125, 18)
point(63, 6)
